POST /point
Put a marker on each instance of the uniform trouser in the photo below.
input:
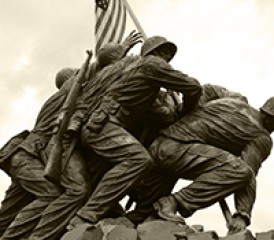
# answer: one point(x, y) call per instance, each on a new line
point(97, 167)
point(130, 159)
point(49, 213)
point(215, 174)
point(15, 199)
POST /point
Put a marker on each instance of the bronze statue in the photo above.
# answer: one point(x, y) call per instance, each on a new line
point(109, 130)
point(220, 146)
point(52, 203)
point(46, 212)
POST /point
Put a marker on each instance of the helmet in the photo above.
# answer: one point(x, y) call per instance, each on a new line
point(268, 107)
point(155, 42)
point(110, 53)
point(63, 75)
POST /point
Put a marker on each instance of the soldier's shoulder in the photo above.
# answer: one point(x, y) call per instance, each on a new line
point(155, 62)
point(13, 143)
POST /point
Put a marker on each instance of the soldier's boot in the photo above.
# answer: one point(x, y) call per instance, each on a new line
point(166, 208)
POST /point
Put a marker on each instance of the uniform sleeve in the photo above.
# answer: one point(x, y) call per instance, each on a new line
point(165, 108)
point(257, 151)
point(253, 154)
point(212, 92)
point(92, 70)
point(175, 80)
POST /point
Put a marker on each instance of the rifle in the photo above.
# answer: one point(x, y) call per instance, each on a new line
point(226, 212)
point(53, 169)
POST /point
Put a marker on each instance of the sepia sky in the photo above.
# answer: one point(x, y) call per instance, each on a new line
point(225, 42)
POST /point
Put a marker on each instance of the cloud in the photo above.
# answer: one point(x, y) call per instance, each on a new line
point(37, 39)
point(226, 42)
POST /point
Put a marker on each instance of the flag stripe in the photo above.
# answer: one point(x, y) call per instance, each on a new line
point(115, 23)
point(110, 24)
point(103, 16)
point(119, 25)
point(108, 27)
point(123, 24)
point(104, 20)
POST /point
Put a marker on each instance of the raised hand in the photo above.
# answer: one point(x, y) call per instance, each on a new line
point(132, 39)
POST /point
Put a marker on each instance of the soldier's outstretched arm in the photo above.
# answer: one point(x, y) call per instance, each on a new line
point(131, 40)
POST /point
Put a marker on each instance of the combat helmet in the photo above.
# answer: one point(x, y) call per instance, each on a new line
point(63, 75)
point(109, 53)
point(155, 42)
point(268, 107)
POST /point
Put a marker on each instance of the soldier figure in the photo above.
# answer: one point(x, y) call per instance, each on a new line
point(220, 146)
point(47, 207)
point(109, 131)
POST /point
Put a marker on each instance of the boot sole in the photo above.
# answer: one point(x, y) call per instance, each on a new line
point(158, 207)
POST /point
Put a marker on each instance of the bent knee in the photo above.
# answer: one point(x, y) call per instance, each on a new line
point(247, 173)
point(79, 191)
point(141, 157)
point(148, 162)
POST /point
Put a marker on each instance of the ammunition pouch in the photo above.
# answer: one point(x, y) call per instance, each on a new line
point(97, 120)
point(123, 115)
point(109, 110)
point(75, 124)
point(118, 114)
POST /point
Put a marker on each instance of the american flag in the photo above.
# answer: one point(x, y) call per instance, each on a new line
point(110, 22)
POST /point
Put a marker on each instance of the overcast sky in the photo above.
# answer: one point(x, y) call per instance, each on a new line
point(225, 42)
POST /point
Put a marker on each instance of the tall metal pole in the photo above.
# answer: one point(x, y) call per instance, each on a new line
point(226, 212)
point(134, 19)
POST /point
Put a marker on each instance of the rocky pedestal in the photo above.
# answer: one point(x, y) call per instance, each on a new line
point(123, 229)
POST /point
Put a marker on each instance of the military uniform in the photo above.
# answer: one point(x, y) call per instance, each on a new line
point(52, 205)
point(16, 197)
point(109, 130)
point(220, 147)
point(172, 111)
point(59, 202)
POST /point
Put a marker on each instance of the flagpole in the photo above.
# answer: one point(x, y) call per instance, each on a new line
point(135, 20)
